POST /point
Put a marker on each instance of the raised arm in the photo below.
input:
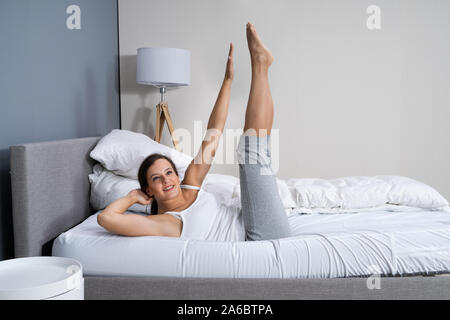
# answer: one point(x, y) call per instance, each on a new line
point(200, 165)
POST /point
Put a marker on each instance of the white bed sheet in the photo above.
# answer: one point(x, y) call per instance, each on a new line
point(322, 246)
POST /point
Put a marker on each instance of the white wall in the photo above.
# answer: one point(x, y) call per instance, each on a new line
point(348, 100)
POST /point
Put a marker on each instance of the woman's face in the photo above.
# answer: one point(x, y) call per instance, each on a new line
point(162, 180)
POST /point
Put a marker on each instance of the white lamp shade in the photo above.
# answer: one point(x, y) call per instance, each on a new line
point(163, 67)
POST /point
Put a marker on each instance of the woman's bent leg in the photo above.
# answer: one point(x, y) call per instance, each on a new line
point(263, 212)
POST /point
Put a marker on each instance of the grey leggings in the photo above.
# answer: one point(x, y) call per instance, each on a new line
point(262, 210)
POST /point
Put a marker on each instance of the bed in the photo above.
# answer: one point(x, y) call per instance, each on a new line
point(178, 269)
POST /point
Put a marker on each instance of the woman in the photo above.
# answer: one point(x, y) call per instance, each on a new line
point(184, 209)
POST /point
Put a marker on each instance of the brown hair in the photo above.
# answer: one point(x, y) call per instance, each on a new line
point(142, 175)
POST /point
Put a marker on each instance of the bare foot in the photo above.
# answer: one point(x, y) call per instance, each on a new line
point(260, 55)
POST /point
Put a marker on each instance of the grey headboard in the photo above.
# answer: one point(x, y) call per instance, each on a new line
point(50, 191)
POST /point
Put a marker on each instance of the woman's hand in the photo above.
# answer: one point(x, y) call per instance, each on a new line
point(229, 73)
point(139, 197)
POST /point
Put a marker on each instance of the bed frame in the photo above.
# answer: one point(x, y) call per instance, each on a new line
point(50, 194)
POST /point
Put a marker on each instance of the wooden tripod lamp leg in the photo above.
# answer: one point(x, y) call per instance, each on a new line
point(158, 117)
point(162, 119)
point(159, 122)
point(166, 113)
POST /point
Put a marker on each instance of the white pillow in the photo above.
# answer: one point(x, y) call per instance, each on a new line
point(285, 194)
point(122, 152)
point(223, 188)
point(107, 187)
point(283, 190)
point(359, 192)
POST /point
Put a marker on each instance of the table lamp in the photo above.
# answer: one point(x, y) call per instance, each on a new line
point(163, 68)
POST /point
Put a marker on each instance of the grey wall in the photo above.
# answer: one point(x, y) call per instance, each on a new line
point(55, 83)
point(348, 100)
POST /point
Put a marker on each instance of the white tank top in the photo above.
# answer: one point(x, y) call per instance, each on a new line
point(206, 219)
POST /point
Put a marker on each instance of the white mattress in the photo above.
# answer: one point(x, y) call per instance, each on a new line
point(323, 246)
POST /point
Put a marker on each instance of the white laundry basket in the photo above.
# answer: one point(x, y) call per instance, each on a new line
point(41, 278)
